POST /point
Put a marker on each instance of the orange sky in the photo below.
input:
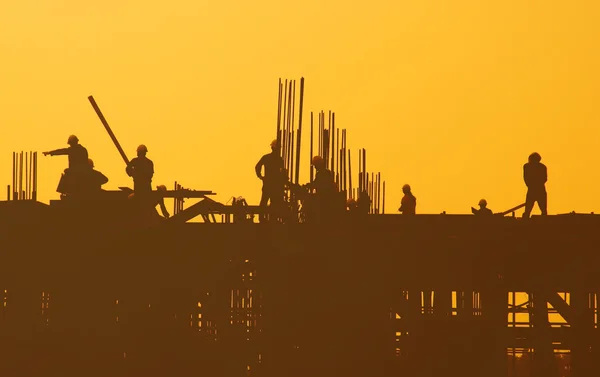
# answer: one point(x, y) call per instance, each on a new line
point(450, 96)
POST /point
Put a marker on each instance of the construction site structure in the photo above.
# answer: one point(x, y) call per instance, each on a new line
point(88, 287)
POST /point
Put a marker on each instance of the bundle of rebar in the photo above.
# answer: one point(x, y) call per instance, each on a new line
point(331, 146)
point(24, 164)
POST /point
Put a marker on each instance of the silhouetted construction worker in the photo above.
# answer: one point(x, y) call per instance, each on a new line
point(96, 179)
point(141, 169)
point(535, 175)
point(274, 179)
point(72, 181)
point(408, 205)
point(325, 189)
point(483, 210)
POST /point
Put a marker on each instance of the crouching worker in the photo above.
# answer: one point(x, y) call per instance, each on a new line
point(146, 204)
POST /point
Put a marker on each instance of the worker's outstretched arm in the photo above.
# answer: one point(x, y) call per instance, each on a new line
point(57, 152)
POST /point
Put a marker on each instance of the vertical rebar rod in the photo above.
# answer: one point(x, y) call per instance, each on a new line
point(312, 127)
point(299, 142)
point(379, 192)
point(21, 176)
point(14, 176)
point(333, 142)
point(383, 199)
point(282, 151)
point(31, 175)
point(35, 177)
point(278, 135)
point(350, 175)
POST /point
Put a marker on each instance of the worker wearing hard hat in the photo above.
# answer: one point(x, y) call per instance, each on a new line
point(72, 180)
point(408, 205)
point(274, 178)
point(483, 210)
point(141, 169)
point(77, 153)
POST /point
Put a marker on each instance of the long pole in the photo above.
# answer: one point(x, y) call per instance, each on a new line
point(110, 133)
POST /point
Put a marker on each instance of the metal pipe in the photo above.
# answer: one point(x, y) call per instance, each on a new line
point(110, 133)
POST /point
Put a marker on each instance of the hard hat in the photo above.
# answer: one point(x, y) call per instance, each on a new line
point(142, 148)
point(72, 139)
point(317, 160)
point(90, 162)
point(161, 188)
point(483, 202)
point(274, 143)
point(406, 187)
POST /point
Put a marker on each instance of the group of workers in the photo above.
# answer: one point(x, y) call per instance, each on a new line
point(80, 178)
point(325, 197)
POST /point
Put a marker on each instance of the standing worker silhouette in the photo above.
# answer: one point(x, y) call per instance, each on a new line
point(141, 169)
point(408, 205)
point(535, 175)
point(72, 181)
point(274, 179)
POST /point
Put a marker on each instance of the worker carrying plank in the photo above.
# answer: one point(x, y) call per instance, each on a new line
point(73, 181)
point(274, 179)
point(141, 169)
